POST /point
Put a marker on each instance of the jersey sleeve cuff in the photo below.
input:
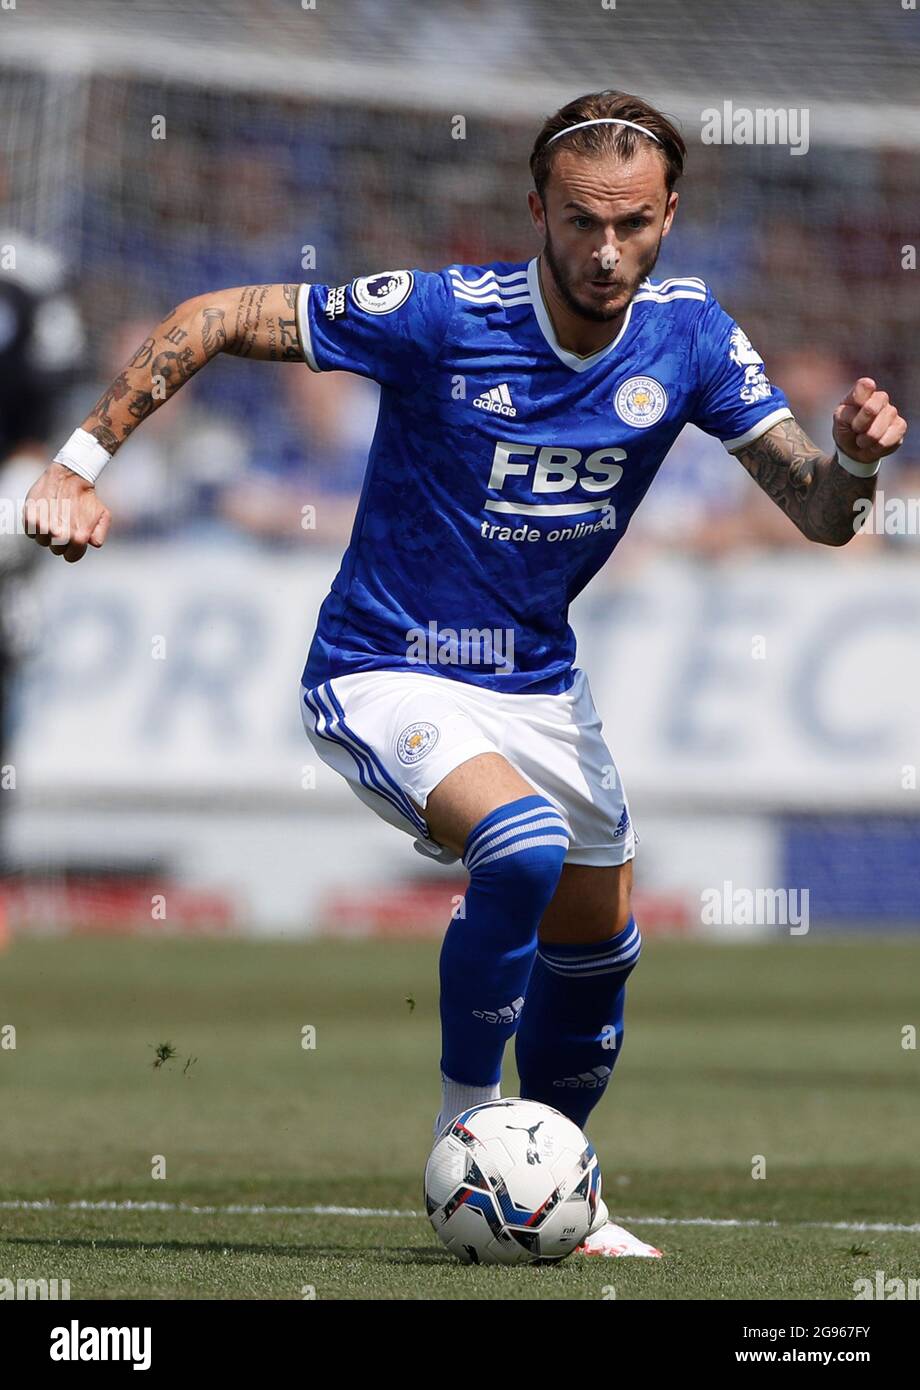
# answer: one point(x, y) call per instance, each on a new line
point(303, 326)
point(767, 423)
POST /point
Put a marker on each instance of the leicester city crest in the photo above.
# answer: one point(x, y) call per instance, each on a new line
point(415, 741)
point(641, 401)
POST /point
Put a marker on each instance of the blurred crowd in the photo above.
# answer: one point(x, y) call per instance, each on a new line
point(249, 190)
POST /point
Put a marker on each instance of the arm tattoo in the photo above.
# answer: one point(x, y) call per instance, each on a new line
point(105, 437)
point(118, 389)
point(213, 335)
point(810, 487)
point(171, 369)
point(276, 337)
point(256, 321)
point(140, 405)
point(248, 319)
point(143, 354)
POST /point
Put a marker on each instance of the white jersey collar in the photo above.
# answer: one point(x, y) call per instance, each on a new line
point(571, 359)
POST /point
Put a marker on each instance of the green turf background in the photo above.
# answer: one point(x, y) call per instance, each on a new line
point(792, 1050)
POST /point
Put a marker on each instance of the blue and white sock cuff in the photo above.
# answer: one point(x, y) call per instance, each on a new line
point(595, 958)
point(538, 824)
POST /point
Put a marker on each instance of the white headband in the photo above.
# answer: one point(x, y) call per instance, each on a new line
point(604, 120)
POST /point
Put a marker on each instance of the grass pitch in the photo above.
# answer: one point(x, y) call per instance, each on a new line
point(792, 1051)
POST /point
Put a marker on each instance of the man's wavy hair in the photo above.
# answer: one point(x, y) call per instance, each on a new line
point(607, 139)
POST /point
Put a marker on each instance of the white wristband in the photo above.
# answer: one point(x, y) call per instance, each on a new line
point(858, 470)
point(83, 454)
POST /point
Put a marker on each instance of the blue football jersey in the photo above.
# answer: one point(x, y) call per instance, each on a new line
point(504, 469)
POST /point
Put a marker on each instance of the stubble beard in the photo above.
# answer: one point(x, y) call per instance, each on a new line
point(586, 311)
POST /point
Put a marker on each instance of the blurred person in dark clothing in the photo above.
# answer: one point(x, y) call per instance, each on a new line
point(41, 347)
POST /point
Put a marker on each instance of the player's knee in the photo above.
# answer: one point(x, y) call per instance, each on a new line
point(521, 846)
point(623, 928)
point(621, 917)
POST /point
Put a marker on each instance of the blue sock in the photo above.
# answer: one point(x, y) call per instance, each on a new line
point(571, 1029)
point(514, 856)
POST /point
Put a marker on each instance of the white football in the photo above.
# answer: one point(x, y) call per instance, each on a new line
point(512, 1182)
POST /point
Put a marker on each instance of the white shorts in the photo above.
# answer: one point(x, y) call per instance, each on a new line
point(394, 735)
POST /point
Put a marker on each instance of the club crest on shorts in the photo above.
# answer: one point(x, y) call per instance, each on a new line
point(381, 294)
point(415, 741)
point(641, 401)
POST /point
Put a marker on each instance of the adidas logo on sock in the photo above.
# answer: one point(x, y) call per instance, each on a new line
point(586, 1080)
point(497, 400)
point(509, 1013)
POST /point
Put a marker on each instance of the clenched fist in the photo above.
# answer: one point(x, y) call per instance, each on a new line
point(866, 425)
point(62, 511)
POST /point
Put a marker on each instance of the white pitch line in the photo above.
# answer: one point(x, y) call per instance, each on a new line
point(905, 1228)
point(260, 1209)
point(189, 1210)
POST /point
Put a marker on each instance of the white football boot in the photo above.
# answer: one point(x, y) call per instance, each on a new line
point(604, 1238)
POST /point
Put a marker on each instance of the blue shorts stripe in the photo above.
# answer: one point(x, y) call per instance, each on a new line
point(365, 770)
point(375, 765)
point(363, 758)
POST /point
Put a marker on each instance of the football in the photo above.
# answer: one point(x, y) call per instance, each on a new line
point(512, 1182)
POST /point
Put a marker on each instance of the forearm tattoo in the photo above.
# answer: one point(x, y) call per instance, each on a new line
point(256, 321)
point(809, 485)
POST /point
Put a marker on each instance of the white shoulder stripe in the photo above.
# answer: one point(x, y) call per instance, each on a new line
point(667, 298)
point(460, 287)
point(482, 291)
point(690, 280)
point(504, 300)
point(484, 296)
point(489, 275)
